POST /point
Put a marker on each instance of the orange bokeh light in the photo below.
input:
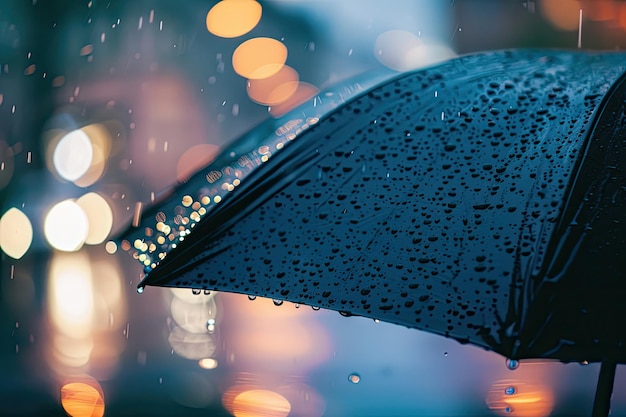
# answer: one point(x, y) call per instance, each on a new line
point(275, 89)
point(304, 92)
point(509, 397)
point(80, 399)
point(195, 158)
point(232, 18)
point(259, 58)
point(563, 14)
point(260, 402)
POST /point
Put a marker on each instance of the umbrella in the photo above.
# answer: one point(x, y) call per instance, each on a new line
point(481, 199)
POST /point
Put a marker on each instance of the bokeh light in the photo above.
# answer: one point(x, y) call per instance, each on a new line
point(304, 92)
point(72, 155)
point(510, 397)
point(232, 18)
point(70, 295)
point(208, 363)
point(259, 402)
point(110, 247)
point(275, 89)
point(281, 336)
point(401, 50)
point(194, 158)
point(193, 317)
point(100, 140)
point(66, 226)
point(80, 399)
point(259, 58)
point(563, 14)
point(193, 346)
point(99, 216)
point(16, 233)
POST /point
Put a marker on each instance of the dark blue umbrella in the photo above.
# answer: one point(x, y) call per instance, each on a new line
point(481, 199)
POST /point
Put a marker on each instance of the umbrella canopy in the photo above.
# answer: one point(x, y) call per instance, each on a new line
point(481, 199)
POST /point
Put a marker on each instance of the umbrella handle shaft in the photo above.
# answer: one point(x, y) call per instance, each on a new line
point(604, 390)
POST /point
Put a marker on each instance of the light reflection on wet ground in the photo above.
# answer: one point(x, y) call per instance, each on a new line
point(105, 104)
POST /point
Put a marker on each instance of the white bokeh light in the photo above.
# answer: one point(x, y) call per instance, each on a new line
point(66, 226)
point(99, 215)
point(73, 155)
point(16, 233)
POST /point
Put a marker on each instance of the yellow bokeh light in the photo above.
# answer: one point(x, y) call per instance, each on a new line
point(232, 18)
point(275, 89)
point(69, 353)
point(100, 140)
point(110, 247)
point(260, 402)
point(70, 294)
point(304, 92)
point(207, 363)
point(82, 400)
point(563, 14)
point(259, 58)
point(66, 226)
point(99, 216)
point(72, 155)
point(16, 233)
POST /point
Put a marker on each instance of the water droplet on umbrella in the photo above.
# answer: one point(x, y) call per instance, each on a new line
point(210, 325)
point(140, 290)
point(354, 377)
point(316, 308)
point(207, 292)
point(512, 364)
point(508, 409)
point(196, 291)
point(510, 390)
point(278, 302)
point(252, 297)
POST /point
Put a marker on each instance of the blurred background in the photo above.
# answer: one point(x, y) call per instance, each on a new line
point(105, 103)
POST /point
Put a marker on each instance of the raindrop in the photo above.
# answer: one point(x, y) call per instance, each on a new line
point(252, 297)
point(354, 377)
point(196, 291)
point(207, 292)
point(277, 302)
point(297, 305)
point(316, 308)
point(510, 390)
point(210, 325)
point(512, 364)
point(508, 409)
point(584, 363)
point(140, 290)
point(445, 354)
